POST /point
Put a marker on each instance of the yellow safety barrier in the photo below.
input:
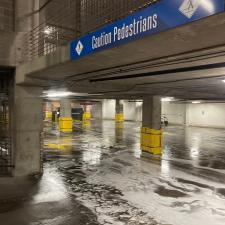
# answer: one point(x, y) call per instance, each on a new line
point(66, 124)
point(151, 140)
point(86, 116)
point(119, 117)
point(48, 115)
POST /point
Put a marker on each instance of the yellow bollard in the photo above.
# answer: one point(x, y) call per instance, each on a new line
point(151, 140)
point(86, 116)
point(119, 117)
point(66, 124)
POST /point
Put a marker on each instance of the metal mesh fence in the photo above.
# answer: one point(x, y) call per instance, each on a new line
point(63, 21)
point(5, 139)
point(95, 13)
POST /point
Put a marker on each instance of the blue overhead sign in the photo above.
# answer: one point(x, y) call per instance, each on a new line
point(157, 17)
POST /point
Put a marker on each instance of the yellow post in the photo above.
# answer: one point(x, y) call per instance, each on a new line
point(66, 124)
point(48, 115)
point(119, 117)
point(151, 140)
point(86, 116)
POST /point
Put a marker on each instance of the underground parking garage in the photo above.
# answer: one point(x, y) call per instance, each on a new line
point(95, 165)
point(112, 112)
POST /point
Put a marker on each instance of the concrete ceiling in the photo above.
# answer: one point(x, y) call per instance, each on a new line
point(187, 62)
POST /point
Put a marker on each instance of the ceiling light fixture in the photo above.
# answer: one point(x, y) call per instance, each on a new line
point(62, 93)
point(208, 5)
point(58, 94)
point(167, 99)
point(48, 30)
point(196, 102)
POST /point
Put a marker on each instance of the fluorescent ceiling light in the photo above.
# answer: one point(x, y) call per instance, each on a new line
point(48, 30)
point(167, 99)
point(61, 94)
point(196, 102)
point(58, 94)
point(208, 5)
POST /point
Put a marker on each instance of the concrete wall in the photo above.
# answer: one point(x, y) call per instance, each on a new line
point(108, 109)
point(175, 113)
point(16, 19)
point(6, 31)
point(203, 115)
point(206, 115)
point(6, 15)
point(132, 110)
point(96, 110)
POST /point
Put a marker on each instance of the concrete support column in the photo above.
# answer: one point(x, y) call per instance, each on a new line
point(27, 126)
point(65, 120)
point(87, 114)
point(151, 132)
point(48, 111)
point(187, 121)
point(119, 117)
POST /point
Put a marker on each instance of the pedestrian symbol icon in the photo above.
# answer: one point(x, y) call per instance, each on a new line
point(189, 7)
point(79, 47)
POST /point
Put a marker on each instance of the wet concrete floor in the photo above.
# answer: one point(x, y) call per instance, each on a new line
point(98, 175)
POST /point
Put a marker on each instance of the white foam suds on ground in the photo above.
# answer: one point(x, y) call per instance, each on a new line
point(139, 182)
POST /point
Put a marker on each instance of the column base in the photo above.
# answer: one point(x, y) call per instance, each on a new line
point(119, 117)
point(86, 116)
point(151, 140)
point(48, 116)
point(66, 124)
point(119, 125)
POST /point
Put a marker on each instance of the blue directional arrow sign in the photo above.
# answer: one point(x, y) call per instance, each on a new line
point(158, 17)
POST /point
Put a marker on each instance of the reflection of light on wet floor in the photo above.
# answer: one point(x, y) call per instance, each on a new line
point(165, 163)
point(63, 144)
point(138, 179)
point(194, 153)
point(137, 150)
point(165, 168)
point(92, 157)
point(86, 125)
point(51, 187)
point(55, 146)
point(194, 150)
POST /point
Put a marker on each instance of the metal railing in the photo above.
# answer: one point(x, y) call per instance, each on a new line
point(5, 138)
point(96, 13)
point(63, 21)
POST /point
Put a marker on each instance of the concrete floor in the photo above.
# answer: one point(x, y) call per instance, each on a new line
point(97, 175)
